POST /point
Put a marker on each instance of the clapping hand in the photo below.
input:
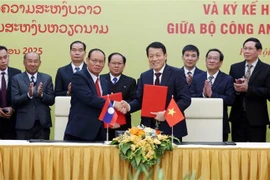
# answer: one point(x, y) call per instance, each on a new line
point(31, 90)
point(39, 90)
point(207, 89)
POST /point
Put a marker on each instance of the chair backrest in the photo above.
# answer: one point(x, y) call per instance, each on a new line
point(204, 118)
point(62, 106)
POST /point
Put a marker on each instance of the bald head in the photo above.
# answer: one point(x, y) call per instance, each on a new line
point(31, 62)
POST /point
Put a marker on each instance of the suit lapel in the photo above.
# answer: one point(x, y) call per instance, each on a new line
point(84, 65)
point(166, 75)
point(256, 71)
point(10, 75)
point(218, 80)
point(149, 76)
point(242, 69)
point(39, 79)
point(26, 79)
point(104, 86)
point(70, 70)
point(91, 81)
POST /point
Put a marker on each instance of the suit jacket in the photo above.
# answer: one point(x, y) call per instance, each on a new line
point(127, 86)
point(63, 78)
point(177, 86)
point(29, 110)
point(11, 72)
point(256, 96)
point(86, 106)
point(222, 88)
point(7, 126)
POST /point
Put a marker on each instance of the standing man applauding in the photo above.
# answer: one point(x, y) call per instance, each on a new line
point(32, 94)
point(249, 115)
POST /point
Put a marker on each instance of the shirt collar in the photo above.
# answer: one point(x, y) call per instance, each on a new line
point(94, 77)
point(253, 64)
point(30, 75)
point(161, 70)
point(214, 75)
point(111, 77)
point(192, 70)
point(6, 71)
point(73, 67)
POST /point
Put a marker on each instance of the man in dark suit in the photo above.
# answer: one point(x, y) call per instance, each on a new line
point(190, 56)
point(215, 84)
point(7, 115)
point(64, 74)
point(249, 115)
point(118, 82)
point(86, 103)
point(170, 77)
point(32, 94)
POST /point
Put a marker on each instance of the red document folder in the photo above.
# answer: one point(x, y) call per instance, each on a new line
point(121, 119)
point(154, 99)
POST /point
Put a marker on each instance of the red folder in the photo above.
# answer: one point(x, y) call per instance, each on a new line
point(121, 120)
point(154, 99)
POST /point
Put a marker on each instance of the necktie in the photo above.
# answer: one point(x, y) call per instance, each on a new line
point(4, 90)
point(77, 69)
point(210, 79)
point(189, 73)
point(248, 73)
point(157, 78)
point(97, 88)
point(33, 80)
point(115, 80)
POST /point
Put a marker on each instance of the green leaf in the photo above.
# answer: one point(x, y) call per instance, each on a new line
point(125, 148)
point(138, 160)
point(114, 142)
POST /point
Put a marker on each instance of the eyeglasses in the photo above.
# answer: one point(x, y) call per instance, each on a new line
point(212, 58)
point(116, 64)
point(94, 61)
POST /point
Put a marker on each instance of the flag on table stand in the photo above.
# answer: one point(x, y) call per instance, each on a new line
point(173, 114)
point(108, 114)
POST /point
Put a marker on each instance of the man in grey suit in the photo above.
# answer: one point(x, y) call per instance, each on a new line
point(32, 94)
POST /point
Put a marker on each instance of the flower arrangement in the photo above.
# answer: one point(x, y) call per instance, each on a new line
point(143, 147)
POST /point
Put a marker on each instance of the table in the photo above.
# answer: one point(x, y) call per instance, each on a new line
point(24, 160)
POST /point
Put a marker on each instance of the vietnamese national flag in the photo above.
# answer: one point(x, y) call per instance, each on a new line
point(173, 115)
point(108, 114)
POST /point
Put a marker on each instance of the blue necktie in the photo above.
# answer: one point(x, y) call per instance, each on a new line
point(77, 69)
point(115, 80)
point(33, 80)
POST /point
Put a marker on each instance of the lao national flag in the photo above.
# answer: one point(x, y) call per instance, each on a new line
point(108, 114)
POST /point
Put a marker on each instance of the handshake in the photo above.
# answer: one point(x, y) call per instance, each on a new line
point(122, 106)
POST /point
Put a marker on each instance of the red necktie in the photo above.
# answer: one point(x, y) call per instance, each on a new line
point(4, 90)
point(97, 88)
